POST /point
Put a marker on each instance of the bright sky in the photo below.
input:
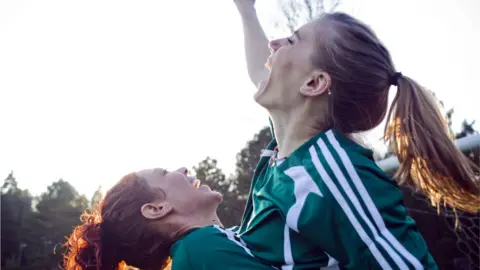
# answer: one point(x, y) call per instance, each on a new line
point(92, 90)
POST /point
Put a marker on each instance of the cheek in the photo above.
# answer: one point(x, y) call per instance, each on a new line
point(282, 59)
point(183, 199)
point(300, 60)
point(180, 189)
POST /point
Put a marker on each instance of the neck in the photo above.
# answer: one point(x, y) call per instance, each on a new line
point(293, 129)
point(187, 224)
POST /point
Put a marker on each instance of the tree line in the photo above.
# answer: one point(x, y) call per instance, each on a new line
point(34, 228)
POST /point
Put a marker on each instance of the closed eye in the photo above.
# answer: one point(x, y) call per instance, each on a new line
point(296, 36)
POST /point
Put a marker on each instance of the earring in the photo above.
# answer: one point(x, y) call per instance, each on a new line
point(325, 81)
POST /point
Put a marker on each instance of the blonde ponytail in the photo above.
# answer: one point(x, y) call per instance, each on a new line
point(429, 159)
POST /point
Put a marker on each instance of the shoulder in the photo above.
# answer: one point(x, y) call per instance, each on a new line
point(181, 258)
point(217, 248)
point(195, 245)
point(331, 146)
point(209, 240)
point(331, 153)
point(333, 162)
point(195, 237)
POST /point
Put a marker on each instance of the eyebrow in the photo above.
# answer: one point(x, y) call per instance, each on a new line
point(162, 171)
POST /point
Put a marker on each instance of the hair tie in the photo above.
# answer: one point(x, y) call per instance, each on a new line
point(394, 78)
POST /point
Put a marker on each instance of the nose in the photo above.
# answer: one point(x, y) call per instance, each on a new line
point(182, 170)
point(276, 44)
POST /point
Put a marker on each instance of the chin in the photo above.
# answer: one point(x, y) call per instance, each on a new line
point(217, 196)
point(261, 96)
point(260, 100)
point(257, 97)
point(267, 101)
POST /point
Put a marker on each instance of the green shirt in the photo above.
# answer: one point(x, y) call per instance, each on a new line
point(212, 248)
point(327, 205)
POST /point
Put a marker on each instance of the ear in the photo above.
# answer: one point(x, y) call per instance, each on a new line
point(156, 210)
point(318, 83)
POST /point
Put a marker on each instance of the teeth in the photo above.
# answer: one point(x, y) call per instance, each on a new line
point(196, 183)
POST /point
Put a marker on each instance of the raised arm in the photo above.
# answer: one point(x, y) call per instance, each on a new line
point(255, 41)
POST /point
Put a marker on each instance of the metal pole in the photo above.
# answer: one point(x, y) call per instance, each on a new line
point(464, 144)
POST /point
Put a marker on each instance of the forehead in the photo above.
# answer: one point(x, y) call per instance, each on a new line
point(307, 34)
point(317, 31)
point(308, 30)
point(148, 174)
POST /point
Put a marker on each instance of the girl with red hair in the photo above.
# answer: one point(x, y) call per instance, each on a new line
point(150, 216)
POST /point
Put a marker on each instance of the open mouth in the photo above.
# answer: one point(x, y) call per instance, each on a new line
point(268, 63)
point(196, 183)
point(261, 84)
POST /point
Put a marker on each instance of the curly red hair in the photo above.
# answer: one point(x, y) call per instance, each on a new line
point(115, 233)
